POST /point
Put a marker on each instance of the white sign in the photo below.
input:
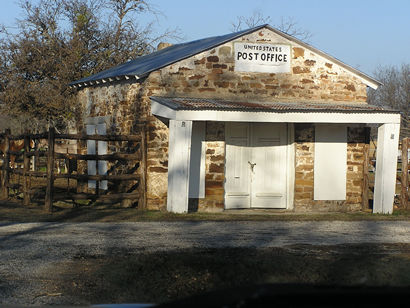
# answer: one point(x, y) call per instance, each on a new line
point(264, 58)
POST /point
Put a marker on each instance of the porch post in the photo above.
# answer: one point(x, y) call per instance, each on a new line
point(178, 165)
point(386, 168)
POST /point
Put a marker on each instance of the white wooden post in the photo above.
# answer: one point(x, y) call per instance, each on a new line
point(386, 168)
point(178, 165)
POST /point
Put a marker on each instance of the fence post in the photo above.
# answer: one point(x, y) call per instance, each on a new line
point(404, 198)
point(366, 161)
point(97, 183)
point(48, 204)
point(143, 166)
point(6, 163)
point(26, 170)
point(36, 159)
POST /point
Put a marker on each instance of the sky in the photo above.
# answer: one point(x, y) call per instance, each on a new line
point(364, 34)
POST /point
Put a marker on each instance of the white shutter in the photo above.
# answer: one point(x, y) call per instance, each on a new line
point(99, 129)
point(330, 165)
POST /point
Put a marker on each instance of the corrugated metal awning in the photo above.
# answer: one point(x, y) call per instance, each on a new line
point(179, 103)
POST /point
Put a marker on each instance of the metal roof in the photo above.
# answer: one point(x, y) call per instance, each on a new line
point(142, 66)
point(179, 103)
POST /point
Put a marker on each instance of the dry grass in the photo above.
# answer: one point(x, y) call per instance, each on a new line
point(15, 212)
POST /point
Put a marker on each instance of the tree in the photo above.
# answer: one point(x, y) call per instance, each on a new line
point(394, 93)
point(59, 41)
point(287, 25)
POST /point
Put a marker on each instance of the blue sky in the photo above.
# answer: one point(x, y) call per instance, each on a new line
point(361, 33)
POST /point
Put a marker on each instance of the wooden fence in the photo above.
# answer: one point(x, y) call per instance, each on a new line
point(404, 179)
point(137, 155)
point(50, 158)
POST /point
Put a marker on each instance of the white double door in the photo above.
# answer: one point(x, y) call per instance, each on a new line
point(255, 165)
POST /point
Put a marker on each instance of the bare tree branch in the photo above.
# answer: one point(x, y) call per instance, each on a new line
point(286, 24)
point(394, 93)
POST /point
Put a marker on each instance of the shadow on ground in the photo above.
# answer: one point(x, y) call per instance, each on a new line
point(14, 211)
point(164, 276)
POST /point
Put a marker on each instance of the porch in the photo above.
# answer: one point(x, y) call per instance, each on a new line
point(187, 118)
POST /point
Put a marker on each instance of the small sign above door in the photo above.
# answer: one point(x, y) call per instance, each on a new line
point(264, 58)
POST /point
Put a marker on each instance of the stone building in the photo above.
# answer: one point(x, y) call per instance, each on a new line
point(253, 119)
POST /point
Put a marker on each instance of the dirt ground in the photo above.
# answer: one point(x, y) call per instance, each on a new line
point(166, 276)
point(128, 276)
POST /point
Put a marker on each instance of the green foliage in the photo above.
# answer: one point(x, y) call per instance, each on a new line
point(57, 42)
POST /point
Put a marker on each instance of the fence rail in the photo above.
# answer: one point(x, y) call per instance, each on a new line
point(12, 155)
point(51, 157)
point(404, 194)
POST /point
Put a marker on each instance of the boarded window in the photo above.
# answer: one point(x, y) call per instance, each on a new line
point(99, 129)
point(330, 162)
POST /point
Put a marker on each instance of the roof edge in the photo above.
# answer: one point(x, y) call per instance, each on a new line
point(85, 82)
point(368, 80)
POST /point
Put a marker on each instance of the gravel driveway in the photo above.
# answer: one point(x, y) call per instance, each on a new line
point(29, 250)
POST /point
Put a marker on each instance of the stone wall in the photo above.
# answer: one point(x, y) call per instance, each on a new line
point(212, 74)
point(118, 102)
point(117, 106)
point(304, 170)
point(214, 167)
point(304, 165)
point(157, 164)
point(357, 138)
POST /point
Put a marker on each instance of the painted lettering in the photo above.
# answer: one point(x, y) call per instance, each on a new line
point(263, 57)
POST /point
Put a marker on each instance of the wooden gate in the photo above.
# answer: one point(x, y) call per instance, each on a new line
point(129, 182)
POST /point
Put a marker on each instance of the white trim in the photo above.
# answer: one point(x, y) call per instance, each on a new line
point(290, 173)
point(162, 111)
point(283, 117)
point(386, 168)
point(179, 150)
point(289, 117)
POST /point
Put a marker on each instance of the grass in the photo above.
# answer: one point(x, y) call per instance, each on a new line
point(15, 212)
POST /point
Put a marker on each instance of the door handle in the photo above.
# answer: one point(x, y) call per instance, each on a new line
point(252, 165)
